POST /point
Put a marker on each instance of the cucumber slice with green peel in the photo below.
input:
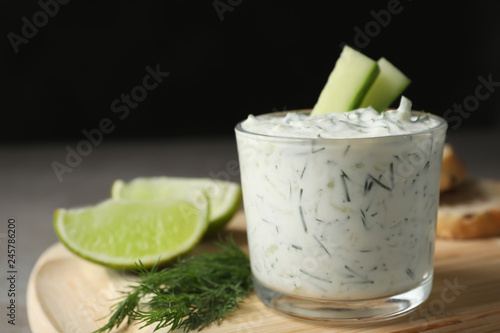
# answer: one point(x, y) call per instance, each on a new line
point(348, 82)
point(389, 85)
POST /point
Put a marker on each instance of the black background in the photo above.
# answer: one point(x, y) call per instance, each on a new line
point(254, 57)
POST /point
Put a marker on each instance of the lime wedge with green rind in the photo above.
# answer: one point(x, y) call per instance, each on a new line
point(119, 233)
point(224, 197)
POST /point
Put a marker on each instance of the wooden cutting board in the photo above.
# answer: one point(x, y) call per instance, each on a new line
point(68, 294)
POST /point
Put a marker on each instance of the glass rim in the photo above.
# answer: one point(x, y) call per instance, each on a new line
point(442, 124)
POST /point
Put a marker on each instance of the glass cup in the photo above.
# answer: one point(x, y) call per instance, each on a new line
point(341, 229)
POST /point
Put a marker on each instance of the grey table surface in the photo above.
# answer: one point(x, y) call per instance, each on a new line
point(30, 190)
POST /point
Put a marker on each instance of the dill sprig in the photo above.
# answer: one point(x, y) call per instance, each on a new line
point(193, 294)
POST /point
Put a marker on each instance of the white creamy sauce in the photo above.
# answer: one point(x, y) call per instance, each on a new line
point(365, 122)
point(341, 219)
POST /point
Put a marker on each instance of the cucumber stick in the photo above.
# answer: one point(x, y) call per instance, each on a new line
point(348, 82)
point(388, 86)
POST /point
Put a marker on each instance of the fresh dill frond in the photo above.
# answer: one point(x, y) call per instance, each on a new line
point(193, 294)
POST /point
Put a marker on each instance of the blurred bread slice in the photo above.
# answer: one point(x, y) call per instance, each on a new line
point(453, 172)
point(471, 210)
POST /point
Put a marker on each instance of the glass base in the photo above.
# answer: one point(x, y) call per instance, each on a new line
point(356, 311)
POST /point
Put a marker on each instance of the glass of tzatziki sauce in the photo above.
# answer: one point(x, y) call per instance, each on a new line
point(341, 210)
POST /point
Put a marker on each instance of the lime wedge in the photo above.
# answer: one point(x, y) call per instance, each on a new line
point(119, 233)
point(224, 197)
